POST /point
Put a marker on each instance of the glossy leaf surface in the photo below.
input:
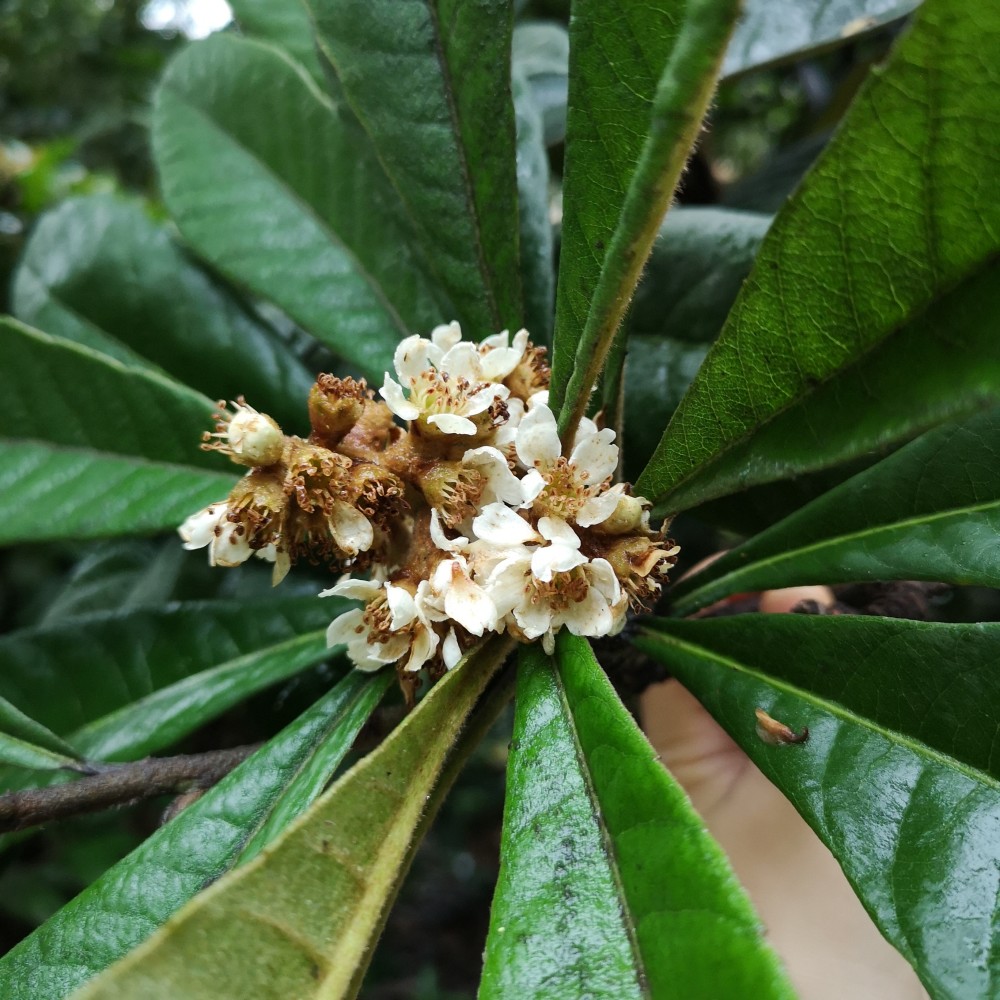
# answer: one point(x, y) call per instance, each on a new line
point(247, 809)
point(626, 148)
point(133, 682)
point(91, 447)
point(773, 30)
point(278, 195)
point(890, 244)
point(607, 875)
point(164, 310)
point(692, 277)
point(898, 776)
point(931, 511)
point(430, 83)
point(299, 919)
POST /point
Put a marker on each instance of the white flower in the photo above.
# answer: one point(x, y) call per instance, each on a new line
point(248, 437)
point(587, 599)
point(392, 625)
point(445, 381)
point(455, 596)
point(573, 488)
point(227, 541)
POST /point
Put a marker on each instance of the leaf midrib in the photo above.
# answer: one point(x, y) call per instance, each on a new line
point(868, 533)
point(833, 708)
point(628, 924)
point(418, 226)
point(94, 453)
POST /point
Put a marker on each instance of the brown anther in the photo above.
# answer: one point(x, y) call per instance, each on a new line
point(531, 375)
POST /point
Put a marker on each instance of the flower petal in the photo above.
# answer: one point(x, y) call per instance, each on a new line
point(230, 546)
point(557, 531)
point(501, 526)
point(552, 559)
point(392, 393)
point(598, 509)
point(537, 440)
point(353, 589)
point(199, 529)
point(451, 651)
point(501, 483)
point(425, 643)
point(401, 606)
point(462, 361)
point(346, 628)
point(411, 359)
point(446, 336)
point(452, 423)
point(351, 530)
point(595, 457)
point(441, 540)
point(467, 603)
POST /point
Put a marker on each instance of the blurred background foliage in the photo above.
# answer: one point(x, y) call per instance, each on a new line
point(75, 81)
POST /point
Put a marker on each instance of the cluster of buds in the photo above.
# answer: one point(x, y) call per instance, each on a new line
point(452, 494)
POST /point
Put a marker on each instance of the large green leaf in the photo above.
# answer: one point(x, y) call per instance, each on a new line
point(626, 145)
point(931, 511)
point(870, 311)
point(247, 809)
point(91, 447)
point(299, 920)
point(99, 271)
point(133, 682)
point(773, 30)
point(898, 775)
point(284, 23)
point(609, 882)
point(270, 185)
point(430, 83)
point(692, 277)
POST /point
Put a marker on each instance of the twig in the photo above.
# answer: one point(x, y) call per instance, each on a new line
point(118, 785)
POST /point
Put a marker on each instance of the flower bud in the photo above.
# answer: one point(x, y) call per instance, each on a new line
point(254, 438)
point(626, 518)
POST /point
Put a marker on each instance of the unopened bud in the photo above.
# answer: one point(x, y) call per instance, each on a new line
point(626, 517)
point(254, 438)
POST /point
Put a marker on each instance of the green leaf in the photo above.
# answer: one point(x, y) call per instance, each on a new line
point(90, 447)
point(771, 31)
point(870, 312)
point(26, 743)
point(898, 776)
point(625, 149)
point(99, 271)
point(131, 683)
point(690, 282)
point(608, 877)
point(699, 261)
point(246, 810)
point(537, 260)
point(931, 511)
point(284, 23)
point(299, 920)
point(125, 573)
point(267, 183)
point(430, 83)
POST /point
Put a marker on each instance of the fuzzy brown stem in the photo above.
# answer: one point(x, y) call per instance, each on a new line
point(116, 785)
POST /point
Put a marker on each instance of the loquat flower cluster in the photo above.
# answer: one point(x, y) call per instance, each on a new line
point(454, 497)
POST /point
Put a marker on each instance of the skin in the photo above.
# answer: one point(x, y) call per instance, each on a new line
point(817, 925)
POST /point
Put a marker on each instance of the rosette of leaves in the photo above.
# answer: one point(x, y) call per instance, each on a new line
point(343, 174)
